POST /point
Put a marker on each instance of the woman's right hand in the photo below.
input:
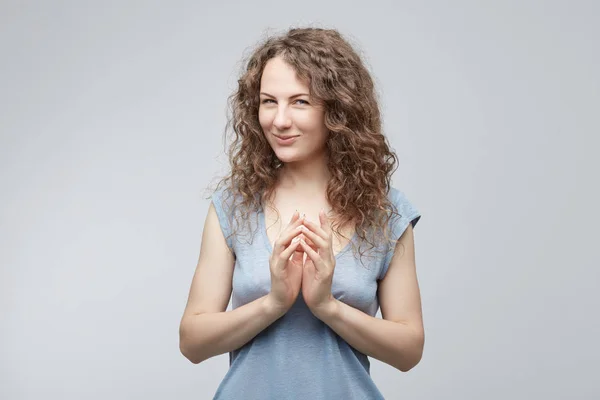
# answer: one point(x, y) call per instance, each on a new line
point(286, 273)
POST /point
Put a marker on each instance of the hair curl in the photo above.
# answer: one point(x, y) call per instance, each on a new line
point(359, 158)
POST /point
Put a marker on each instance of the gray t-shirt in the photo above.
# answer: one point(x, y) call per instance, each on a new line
point(298, 356)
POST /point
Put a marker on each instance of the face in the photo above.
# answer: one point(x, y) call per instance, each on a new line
point(292, 122)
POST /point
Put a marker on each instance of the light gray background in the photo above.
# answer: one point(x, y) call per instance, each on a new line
point(111, 121)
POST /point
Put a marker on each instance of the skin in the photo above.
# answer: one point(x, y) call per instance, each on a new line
point(398, 338)
point(207, 329)
point(287, 109)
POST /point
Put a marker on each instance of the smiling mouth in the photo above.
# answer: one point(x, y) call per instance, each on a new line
point(286, 140)
point(285, 137)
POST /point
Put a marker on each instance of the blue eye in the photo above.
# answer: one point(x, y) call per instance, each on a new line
point(305, 102)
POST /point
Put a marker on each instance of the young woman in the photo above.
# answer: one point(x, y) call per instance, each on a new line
point(305, 234)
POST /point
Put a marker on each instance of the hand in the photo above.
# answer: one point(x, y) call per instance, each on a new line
point(286, 273)
point(318, 268)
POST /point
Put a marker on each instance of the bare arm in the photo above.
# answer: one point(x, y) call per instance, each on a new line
point(206, 328)
point(398, 338)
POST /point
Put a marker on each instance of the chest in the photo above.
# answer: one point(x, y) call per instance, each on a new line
point(278, 216)
point(354, 283)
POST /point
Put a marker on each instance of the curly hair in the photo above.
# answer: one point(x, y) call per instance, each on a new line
point(360, 160)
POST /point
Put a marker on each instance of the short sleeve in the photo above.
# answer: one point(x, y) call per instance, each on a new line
point(222, 207)
point(408, 214)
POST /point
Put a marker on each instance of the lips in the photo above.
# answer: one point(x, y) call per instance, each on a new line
point(285, 137)
point(286, 140)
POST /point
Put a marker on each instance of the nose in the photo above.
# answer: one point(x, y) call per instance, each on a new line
point(282, 121)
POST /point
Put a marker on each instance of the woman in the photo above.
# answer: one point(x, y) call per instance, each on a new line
point(310, 181)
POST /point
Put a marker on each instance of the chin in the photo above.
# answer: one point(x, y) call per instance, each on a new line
point(286, 156)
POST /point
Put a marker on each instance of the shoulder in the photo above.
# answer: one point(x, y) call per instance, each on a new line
point(225, 199)
point(403, 206)
point(221, 193)
point(405, 214)
point(236, 218)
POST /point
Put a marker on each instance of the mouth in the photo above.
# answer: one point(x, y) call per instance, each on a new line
point(286, 139)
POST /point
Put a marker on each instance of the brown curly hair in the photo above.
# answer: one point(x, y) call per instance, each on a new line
point(359, 158)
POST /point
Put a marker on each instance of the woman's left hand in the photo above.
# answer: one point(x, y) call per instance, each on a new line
point(317, 274)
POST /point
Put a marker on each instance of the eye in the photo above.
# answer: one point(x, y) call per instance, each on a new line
point(304, 102)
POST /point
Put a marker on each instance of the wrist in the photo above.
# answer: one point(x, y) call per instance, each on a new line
point(272, 308)
point(328, 310)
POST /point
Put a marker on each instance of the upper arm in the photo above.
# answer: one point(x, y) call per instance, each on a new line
point(211, 285)
point(398, 292)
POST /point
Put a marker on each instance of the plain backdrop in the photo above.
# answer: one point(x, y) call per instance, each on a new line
point(111, 120)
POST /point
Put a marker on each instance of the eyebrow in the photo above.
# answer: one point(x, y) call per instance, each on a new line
point(291, 97)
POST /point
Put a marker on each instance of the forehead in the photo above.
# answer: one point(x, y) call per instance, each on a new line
point(280, 77)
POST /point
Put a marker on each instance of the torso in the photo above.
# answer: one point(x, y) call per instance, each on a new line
point(287, 202)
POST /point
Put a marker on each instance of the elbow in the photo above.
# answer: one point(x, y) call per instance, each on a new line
point(194, 361)
point(187, 354)
point(185, 346)
point(414, 355)
point(407, 365)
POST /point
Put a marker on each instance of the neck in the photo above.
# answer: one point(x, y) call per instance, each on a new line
point(306, 175)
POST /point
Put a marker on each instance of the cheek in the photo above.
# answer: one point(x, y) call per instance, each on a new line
point(313, 122)
point(306, 123)
point(263, 119)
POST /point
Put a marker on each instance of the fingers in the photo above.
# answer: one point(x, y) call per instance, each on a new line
point(324, 220)
point(290, 232)
point(317, 240)
point(312, 254)
point(295, 217)
point(316, 229)
point(286, 237)
point(287, 253)
point(313, 234)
